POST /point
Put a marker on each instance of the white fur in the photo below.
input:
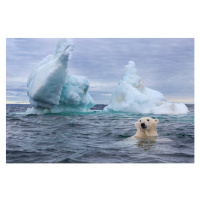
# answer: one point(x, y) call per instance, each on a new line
point(146, 127)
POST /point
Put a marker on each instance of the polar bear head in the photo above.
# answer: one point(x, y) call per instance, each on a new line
point(146, 127)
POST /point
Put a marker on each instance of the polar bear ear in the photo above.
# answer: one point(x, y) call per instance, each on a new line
point(156, 121)
point(136, 124)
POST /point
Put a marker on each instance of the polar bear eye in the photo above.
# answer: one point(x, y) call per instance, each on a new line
point(140, 120)
point(147, 119)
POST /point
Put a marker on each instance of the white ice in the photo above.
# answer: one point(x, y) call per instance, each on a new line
point(52, 90)
point(132, 96)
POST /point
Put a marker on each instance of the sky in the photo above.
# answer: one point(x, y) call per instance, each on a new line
point(164, 64)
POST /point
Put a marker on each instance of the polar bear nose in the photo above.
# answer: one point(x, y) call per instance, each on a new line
point(143, 125)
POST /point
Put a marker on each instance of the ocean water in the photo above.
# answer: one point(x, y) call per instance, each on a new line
point(96, 137)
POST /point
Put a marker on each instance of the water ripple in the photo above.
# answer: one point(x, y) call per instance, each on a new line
point(95, 137)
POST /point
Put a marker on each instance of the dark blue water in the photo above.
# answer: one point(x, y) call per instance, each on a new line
point(96, 137)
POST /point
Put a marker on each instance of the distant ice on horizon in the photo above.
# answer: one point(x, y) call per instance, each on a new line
point(132, 96)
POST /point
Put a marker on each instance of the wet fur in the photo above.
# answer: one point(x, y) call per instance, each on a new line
point(149, 129)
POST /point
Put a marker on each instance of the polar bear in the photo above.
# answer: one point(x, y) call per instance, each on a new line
point(146, 127)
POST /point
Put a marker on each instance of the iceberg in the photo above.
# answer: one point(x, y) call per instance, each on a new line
point(52, 90)
point(132, 96)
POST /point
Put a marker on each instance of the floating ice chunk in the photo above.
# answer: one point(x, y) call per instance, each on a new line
point(51, 89)
point(132, 96)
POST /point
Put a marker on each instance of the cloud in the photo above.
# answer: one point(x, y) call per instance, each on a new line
point(102, 86)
